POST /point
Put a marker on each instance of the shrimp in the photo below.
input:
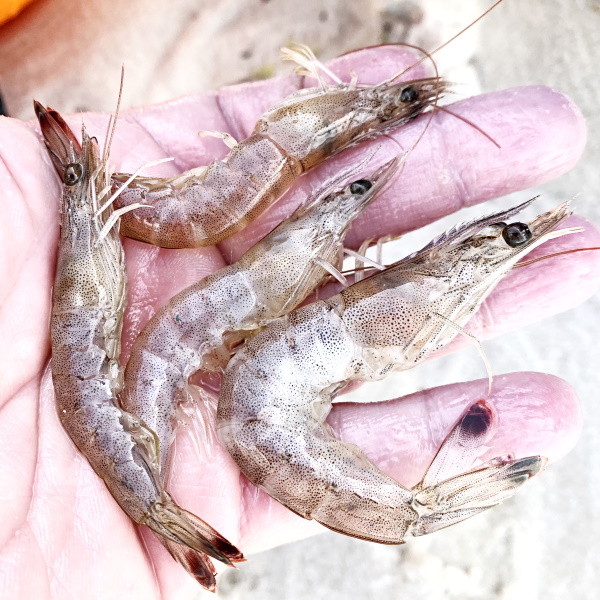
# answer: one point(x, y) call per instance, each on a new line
point(277, 391)
point(196, 328)
point(205, 205)
point(88, 303)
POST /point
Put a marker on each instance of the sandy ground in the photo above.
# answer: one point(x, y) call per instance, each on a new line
point(542, 544)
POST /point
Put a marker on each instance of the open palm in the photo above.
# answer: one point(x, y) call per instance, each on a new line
point(63, 535)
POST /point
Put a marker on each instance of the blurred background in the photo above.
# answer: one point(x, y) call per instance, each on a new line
point(545, 542)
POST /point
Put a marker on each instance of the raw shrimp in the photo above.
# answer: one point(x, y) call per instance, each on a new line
point(89, 298)
point(194, 330)
point(208, 204)
point(277, 391)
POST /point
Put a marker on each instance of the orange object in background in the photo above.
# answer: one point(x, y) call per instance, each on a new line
point(11, 8)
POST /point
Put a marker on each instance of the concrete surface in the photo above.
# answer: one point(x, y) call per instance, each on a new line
point(542, 544)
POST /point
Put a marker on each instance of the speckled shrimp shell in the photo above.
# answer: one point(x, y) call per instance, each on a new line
point(277, 391)
point(89, 299)
point(208, 204)
point(194, 330)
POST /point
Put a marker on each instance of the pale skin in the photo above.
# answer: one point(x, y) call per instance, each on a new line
point(64, 536)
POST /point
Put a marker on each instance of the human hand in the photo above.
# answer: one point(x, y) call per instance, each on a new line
point(64, 533)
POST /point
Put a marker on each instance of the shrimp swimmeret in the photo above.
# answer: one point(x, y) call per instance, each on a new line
point(89, 299)
point(203, 206)
point(277, 391)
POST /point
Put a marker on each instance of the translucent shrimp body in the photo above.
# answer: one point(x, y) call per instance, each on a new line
point(89, 298)
point(196, 328)
point(278, 389)
point(208, 204)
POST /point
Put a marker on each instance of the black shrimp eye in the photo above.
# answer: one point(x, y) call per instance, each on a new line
point(73, 173)
point(516, 234)
point(360, 187)
point(408, 94)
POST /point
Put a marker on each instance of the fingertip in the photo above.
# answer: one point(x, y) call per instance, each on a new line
point(573, 122)
point(538, 414)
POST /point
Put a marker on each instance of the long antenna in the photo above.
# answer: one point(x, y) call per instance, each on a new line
point(448, 41)
point(112, 121)
point(534, 260)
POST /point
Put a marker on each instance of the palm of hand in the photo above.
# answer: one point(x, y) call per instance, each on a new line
point(64, 534)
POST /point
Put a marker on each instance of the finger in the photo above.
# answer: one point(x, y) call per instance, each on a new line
point(541, 132)
point(536, 414)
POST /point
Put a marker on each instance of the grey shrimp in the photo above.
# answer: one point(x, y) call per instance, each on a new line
point(198, 326)
point(277, 391)
point(208, 204)
point(89, 299)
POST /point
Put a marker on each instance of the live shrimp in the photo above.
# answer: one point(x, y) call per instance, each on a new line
point(89, 299)
point(208, 204)
point(277, 391)
point(196, 329)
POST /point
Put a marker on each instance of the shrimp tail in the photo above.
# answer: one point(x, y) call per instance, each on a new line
point(467, 495)
point(197, 564)
point(175, 524)
point(447, 494)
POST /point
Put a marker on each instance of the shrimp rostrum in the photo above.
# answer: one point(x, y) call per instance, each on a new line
point(89, 299)
point(207, 204)
point(277, 391)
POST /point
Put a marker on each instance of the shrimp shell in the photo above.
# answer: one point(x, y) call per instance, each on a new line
point(89, 299)
point(205, 205)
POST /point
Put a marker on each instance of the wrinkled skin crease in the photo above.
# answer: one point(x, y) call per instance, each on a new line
point(59, 518)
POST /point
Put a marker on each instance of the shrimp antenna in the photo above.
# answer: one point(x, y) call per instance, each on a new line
point(534, 260)
point(465, 120)
point(420, 61)
point(112, 121)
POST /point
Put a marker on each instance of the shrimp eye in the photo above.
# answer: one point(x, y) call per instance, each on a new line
point(516, 234)
point(408, 94)
point(360, 187)
point(73, 173)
